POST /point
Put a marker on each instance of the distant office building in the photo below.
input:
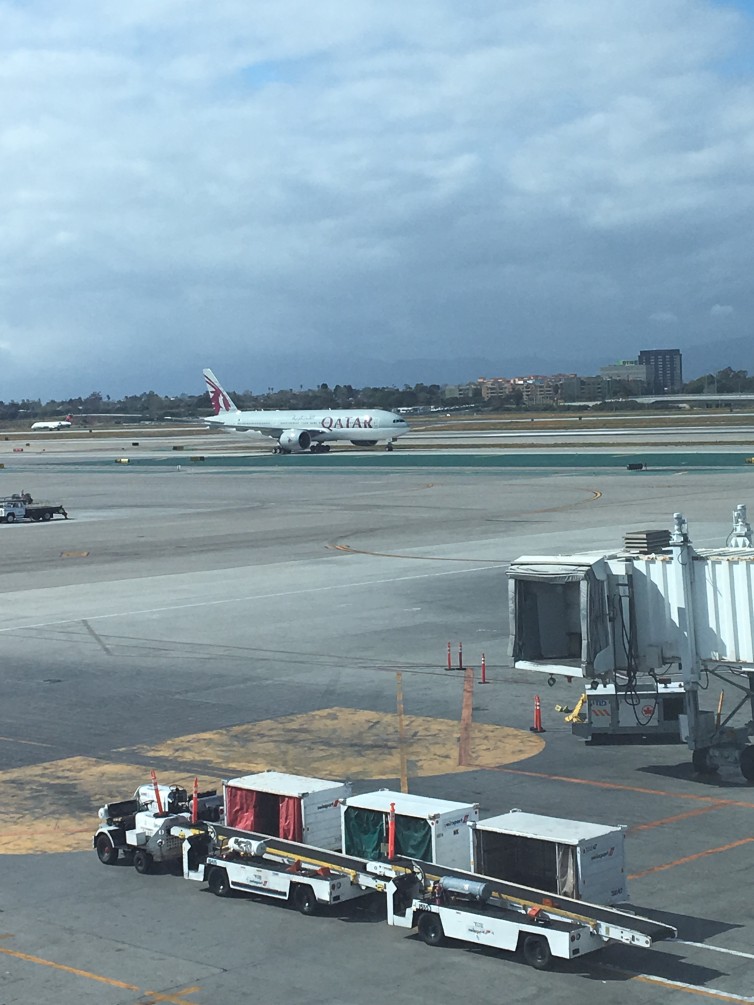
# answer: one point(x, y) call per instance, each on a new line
point(536, 389)
point(631, 371)
point(575, 388)
point(664, 371)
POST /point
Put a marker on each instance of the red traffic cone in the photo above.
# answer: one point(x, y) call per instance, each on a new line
point(537, 727)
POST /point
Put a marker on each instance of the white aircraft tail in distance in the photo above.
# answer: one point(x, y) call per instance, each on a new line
point(52, 424)
point(299, 430)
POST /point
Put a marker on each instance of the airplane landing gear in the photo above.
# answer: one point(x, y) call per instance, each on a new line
point(389, 445)
point(320, 448)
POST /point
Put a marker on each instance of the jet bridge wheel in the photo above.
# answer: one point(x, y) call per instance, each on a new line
point(701, 762)
point(142, 861)
point(431, 930)
point(747, 763)
point(536, 952)
point(107, 853)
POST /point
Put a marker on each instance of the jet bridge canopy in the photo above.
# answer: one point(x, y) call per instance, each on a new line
point(559, 614)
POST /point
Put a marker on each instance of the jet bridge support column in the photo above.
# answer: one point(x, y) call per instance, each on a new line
point(713, 744)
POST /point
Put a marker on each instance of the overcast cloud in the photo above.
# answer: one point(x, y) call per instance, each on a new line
point(355, 191)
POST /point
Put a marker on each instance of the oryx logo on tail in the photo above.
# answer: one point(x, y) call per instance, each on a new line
point(219, 399)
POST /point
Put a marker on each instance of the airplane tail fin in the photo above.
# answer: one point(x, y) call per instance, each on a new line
point(220, 399)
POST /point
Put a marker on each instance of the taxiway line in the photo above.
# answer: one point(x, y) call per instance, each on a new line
point(640, 790)
point(690, 858)
point(245, 599)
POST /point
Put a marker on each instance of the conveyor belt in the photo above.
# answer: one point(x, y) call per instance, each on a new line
point(610, 922)
point(607, 919)
point(317, 856)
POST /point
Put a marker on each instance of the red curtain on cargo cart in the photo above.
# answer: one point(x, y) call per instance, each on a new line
point(241, 808)
point(291, 828)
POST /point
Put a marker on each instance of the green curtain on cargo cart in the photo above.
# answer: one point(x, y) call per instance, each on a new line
point(413, 838)
point(365, 833)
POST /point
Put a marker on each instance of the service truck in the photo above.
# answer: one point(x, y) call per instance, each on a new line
point(19, 507)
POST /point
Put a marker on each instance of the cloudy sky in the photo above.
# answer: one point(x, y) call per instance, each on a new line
point(369, 190)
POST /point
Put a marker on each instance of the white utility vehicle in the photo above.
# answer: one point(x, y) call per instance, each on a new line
point(140, 827)
point(254, 865)
point(488, 912)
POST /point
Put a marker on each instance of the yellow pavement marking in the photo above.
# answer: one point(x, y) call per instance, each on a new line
point(346, 743)
point(691, 858)
point(71, 791)
point(153, 996)
point(28, 958)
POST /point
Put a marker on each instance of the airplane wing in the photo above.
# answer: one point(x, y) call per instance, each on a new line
point(277, 431)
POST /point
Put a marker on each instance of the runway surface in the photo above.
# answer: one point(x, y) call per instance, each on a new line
point(212, 621)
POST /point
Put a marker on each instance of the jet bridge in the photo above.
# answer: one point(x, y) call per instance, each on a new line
point(631, 619)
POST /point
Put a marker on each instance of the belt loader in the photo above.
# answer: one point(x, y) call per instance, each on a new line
point(441, 902)
point(450, 904)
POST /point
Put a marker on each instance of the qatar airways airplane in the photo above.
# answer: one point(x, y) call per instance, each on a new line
point(299, 431)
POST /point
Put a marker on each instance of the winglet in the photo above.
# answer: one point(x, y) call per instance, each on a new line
point(220, 399)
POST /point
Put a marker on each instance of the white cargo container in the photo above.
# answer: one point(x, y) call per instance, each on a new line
point(431, 830)
point(291, 807)
point(567, 857)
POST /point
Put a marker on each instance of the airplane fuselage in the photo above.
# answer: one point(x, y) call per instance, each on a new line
point(358, 426)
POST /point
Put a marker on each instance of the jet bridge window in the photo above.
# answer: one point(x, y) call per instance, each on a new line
point(558, 615)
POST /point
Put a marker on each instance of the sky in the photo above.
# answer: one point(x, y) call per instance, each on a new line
point(370, 191)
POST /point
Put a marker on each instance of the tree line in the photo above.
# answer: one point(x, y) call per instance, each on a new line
point(150, 406)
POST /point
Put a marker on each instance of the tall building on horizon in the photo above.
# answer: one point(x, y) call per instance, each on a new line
point(664, 370)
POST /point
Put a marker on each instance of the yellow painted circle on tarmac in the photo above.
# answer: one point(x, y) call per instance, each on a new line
point(55, 804)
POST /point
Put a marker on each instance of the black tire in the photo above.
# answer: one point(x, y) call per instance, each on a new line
point(47, 515)
point(107, 853)
point(304, 900)
point(747, 763)
point(219, 883)
point(142, 861)
point(536, 952)
point(430, 930)
point(701, 762)
point(10, 518)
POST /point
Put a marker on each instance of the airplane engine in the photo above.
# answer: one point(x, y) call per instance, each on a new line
point(295, 440)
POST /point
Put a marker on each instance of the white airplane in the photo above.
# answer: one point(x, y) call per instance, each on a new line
point(53, 424)
point(299, 431)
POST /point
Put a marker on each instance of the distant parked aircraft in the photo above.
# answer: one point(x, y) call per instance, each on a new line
point(299, 431)
point(53, 424)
